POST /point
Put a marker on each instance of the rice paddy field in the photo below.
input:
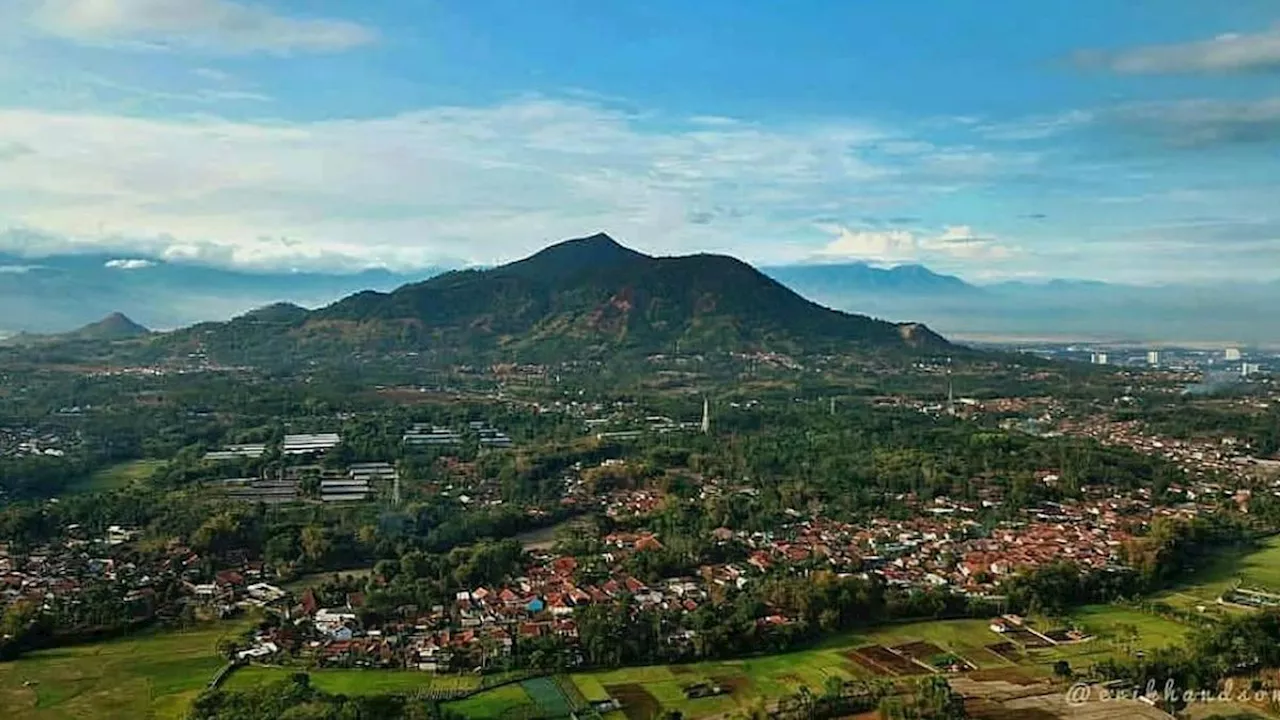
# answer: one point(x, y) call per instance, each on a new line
point(901, 650)
point(149, 675)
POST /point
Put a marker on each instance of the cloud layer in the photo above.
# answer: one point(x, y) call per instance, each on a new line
point(206, 25)
point(1223, 54)
point(899, 246)
point(484, 183)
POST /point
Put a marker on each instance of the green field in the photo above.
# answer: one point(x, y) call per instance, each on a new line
point(356, 681)
point(118, 476)
point(298, 585)
point(1258, 569)
point(753, 681)
point(158, 674)
point(495, 703)
point(153, 674)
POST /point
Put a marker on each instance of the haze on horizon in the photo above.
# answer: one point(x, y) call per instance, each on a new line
point(1125, 142)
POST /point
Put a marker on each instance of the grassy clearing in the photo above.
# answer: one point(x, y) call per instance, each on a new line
point(1258, 569)
point(118, 476)
point(311, 580)
point(355, 681)
point(150, 675)
point(494, 703)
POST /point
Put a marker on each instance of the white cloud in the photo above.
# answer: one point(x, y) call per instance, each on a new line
point(885, 246)
point(1199, 123)
point(199, 96)
point(213, 75)
point(1233, 52)
point(129, 264)
point(960, 241)
point(479, 183)
point(955, 242)
point(205, 25)
point(1038, 127)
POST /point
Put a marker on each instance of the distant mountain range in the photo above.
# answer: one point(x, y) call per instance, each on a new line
point(583, 298)
point(1068, 309)
point(59, 294)
point(838, 278)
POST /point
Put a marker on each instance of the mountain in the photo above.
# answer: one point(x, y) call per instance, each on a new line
point(1055, 308)
point(852, 279)
point(587, 297)
point(59, 293)
point(116, 326)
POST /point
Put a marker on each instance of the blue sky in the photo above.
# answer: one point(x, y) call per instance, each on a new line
point(1128, 141)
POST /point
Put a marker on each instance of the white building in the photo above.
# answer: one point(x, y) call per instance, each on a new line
point(235, 452)
point(306, 444)
point(421, 434)
point(1231, 354)
point(1153, 357)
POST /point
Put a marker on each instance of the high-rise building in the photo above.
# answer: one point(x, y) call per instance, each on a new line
point(1231, 354)
point(1247, 369)
point(706, 416)
point(1098, 358)
point(1153, 357)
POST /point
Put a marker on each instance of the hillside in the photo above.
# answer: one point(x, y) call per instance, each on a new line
point(588, 297)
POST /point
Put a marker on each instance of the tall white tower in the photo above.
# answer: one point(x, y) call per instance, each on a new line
point(706, 415)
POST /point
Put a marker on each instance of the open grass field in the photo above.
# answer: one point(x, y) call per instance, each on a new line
point(150, 675)
point(356, 681)
point(1259, 569)
point(300, 584)
point(647, 691)
point(118, 476)
point(496, 703)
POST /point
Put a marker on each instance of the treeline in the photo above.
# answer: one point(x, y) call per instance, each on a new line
point(1233, 649)
point(775, 615)
point(295, 698)
point(1260, 428)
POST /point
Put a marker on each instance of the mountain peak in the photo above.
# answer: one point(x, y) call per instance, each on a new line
point(116, 326)
point(572, 256)
point(280, 312)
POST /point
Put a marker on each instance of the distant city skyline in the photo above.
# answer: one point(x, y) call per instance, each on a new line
point(1127, 142)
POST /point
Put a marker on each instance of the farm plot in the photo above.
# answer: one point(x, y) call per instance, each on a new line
point(891, 661)
point(637, 703)
point(933, 656)
point(1026, 638)
point(546, 694)
point(1007, 650)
